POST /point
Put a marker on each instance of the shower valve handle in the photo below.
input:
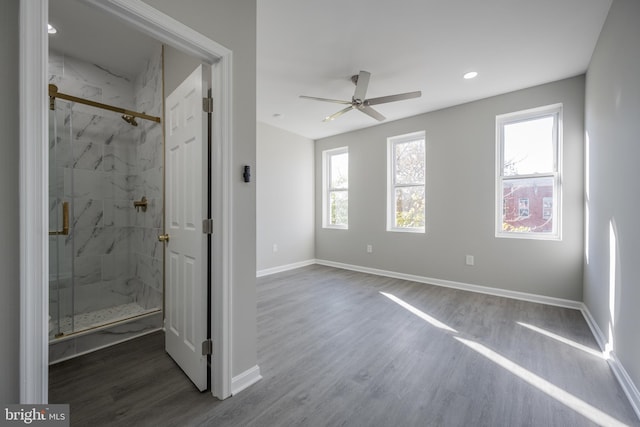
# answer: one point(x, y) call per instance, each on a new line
point(163, 237)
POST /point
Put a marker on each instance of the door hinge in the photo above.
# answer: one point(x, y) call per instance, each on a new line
point(207, 347)
point(207, 226)
point(207, 105)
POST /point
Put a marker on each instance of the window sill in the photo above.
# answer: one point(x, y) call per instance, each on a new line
point(529, 236)
point(407, 230)
point(335, 227)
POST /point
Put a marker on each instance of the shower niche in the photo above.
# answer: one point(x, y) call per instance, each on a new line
point(106, 263)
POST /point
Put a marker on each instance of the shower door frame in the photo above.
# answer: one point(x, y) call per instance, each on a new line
point(34, 290)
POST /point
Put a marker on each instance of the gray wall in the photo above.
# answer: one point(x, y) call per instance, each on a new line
point(9, 208)
point(285, 198)
point(177, 67)
point(233, 25)
point(613, 129)
point(461, 200)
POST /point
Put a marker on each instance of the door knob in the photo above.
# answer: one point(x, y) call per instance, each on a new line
point(163, 238)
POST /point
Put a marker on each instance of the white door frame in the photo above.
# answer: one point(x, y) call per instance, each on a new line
point(34, 248)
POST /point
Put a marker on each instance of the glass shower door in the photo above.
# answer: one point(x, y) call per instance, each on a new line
point(60, 213)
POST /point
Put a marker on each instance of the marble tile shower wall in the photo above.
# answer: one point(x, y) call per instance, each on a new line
point(149, 168)
point(103, 165)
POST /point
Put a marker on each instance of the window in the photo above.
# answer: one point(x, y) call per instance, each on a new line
point(406, 162)
point(547, 207)
point(523, 208)
point(335, 203)
point(528, 153)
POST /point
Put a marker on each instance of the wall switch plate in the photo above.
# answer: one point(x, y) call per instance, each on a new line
point(369, 249)
point(275, 247)
point(470, 260)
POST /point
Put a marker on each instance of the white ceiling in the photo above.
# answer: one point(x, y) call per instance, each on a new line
point(313, 47)
point(93, 35)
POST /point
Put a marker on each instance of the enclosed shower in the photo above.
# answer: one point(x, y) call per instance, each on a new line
point(105, 204)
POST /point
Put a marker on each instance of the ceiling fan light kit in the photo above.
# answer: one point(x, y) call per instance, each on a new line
point(359, 101)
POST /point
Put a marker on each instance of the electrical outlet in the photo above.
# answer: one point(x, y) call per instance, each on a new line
point(470, 260)
point(369, 249)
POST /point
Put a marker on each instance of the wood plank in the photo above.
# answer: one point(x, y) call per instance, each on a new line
point(334, 351)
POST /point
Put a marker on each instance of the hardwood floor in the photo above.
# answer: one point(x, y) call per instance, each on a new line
point(341, 348)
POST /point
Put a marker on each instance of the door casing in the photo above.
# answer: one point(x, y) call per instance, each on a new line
point(34, 291)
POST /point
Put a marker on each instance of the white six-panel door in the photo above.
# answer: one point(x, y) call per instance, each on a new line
point(186, 253)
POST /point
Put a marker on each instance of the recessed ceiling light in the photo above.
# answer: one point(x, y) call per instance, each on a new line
point(51, 29)
point(470, 75)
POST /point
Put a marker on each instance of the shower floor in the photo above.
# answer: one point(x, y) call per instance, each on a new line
point(98, 318)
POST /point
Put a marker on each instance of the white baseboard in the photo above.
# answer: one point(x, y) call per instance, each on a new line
point(245, 379)
point(287, 267)
point(541, 299)
point(626, 382)
point(595, 329)
point(629, 388)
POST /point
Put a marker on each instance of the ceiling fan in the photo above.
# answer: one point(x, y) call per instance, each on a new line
point(359, 102)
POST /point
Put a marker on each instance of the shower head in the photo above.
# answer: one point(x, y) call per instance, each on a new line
point(130, 119)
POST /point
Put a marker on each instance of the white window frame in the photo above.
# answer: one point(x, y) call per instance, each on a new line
point(392, 186)
point(554, 111)
point(327, 189)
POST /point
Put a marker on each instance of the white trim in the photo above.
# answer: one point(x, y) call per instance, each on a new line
point(523, 296)
point(34, 183)
point(595, 329)
point(621, 374)
point(392, 142)
point(556, 111)
point(625, 382)
point(34, 211)
point(163, 28)
point(245, 379)
point(327, 155)
point(287, 267)
point(222, 208)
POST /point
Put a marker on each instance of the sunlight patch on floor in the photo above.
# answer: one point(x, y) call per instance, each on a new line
point(567, 399)
point(421, 314)
point(563, 340)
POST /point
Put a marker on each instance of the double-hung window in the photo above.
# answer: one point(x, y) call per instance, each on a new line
point(528, 182)
point(335, 200)
point(406, 162)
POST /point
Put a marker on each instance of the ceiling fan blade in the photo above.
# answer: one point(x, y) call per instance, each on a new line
point(336, 101)
point(371, 112)
point(393, 98)
point(362, 85)
point(338, 114)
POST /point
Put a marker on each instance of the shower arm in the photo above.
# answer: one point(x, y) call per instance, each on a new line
point(53, 94)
